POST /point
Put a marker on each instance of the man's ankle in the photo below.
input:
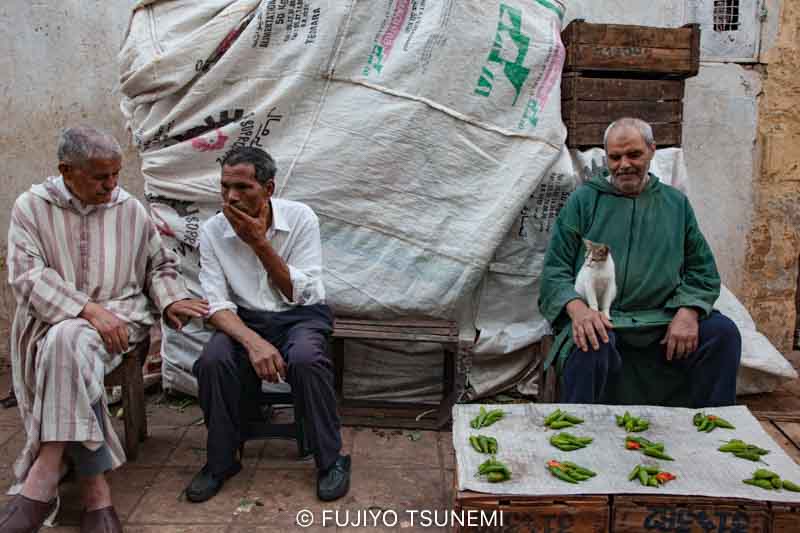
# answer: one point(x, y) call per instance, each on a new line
point(96, 492)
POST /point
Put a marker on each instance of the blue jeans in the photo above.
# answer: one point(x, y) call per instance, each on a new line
point(589, 377)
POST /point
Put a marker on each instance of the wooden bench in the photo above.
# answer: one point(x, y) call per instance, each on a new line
point(128, 375)
point(457, 359)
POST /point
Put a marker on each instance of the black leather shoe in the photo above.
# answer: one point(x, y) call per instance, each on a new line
point(205, 485)
point(335, 482)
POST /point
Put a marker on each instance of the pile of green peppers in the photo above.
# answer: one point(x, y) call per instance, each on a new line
point(709, 423)
point(741, 449)
point(652, 449)
point(494, 470)
point(569, 472)
point(768, 480)
point(483, 444)
point(568, 442)
point(486, 418)
point(559, 419)
point(632, 423)
point(650, 475)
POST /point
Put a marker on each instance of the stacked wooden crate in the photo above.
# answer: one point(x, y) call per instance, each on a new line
point(613, 70)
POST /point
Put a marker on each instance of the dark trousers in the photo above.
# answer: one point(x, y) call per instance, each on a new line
point(229, 386)
point(711, 369)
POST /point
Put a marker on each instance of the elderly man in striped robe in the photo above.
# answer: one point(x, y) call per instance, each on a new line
point(89, 272)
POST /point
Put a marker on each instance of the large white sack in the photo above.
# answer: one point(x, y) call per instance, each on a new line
point(415, 130)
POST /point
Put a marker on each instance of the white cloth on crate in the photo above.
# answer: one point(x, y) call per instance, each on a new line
point(232, 275)
point(61, 255)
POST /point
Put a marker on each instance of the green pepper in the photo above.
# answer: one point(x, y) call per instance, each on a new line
point(653, 452)
point(776, 482)
point(722, 423)
point(652, 482)
point(788, 485)
point(706, 423)
point(473, 440)
point(574, 419)
point(652, 470)
point(634, 473)
point(497, 477)
point(577, 468)
point(483, 442)
point(698, 418)
point(492, 444)
point(750, 456)
point(561, 474)
point(733, 446)
point(561, 424)
point(644, 477)
point(763, 483)
point(763, 473)
point(620, 421)
point(551, 417)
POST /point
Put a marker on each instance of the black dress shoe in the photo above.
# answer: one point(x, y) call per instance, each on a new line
point(335, 482)
point(205, 485)
point(24, 515)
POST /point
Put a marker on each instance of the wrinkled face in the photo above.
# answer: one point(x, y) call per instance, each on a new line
point(628, 160)
point(596, 253)
point(241, 189)
point(93, 181)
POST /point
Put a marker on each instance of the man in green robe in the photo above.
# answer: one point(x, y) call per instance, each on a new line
point(664, 344)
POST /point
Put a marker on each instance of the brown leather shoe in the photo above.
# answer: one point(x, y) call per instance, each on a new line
point(23, 515)
point(103, 520)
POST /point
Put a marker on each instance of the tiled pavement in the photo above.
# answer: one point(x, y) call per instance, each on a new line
point(392, 470)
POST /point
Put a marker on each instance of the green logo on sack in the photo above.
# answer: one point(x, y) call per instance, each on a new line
point(510, 26)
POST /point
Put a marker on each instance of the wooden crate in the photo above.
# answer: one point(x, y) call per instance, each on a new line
point(590, 104)
point(648, 51)
point(688, 514)
point(785, 517)
point(534, 514)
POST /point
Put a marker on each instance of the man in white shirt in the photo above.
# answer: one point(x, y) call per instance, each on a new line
point(261, 271)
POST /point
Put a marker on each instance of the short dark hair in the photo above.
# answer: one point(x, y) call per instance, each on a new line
point(262, 162)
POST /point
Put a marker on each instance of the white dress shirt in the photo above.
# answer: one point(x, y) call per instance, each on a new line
point(232, 275)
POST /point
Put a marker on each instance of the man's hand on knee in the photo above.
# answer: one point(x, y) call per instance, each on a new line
point(111, 328)
point(266, 360)
point(682, 334)
point(589, 327)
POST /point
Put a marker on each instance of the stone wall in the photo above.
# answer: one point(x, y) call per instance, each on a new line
point(771, 267)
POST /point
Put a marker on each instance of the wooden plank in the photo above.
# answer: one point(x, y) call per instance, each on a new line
point(592, 58)
point(791, 430)
point(776, 434)
point(652, 111)
point(777, 416)
point(408, 323)
point(390, 336)
point(585, 135)
point(575, 86)
point(581, 32)
point(537, 514)
point(689, 514)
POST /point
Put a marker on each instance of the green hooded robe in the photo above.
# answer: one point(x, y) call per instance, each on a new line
point(662, 262)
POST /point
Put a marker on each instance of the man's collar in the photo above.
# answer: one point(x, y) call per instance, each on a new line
point(279, 222)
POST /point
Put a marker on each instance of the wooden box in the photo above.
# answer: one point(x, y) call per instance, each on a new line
point(590, 104)
point(689, 514)
point(652, 52)
point(785, 517)
point(534, 514)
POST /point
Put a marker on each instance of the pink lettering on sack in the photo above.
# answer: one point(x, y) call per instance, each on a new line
point(395, 26)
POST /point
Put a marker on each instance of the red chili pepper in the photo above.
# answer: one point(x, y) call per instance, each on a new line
point(711, 417)
point(665, 476)
point(553, 463)
point(631, 445)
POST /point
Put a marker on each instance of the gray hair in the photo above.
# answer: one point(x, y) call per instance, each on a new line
point(638, 124)
point(262, 162)
point(78, 145)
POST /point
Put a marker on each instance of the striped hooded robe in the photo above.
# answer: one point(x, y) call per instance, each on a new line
point(61, 255)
